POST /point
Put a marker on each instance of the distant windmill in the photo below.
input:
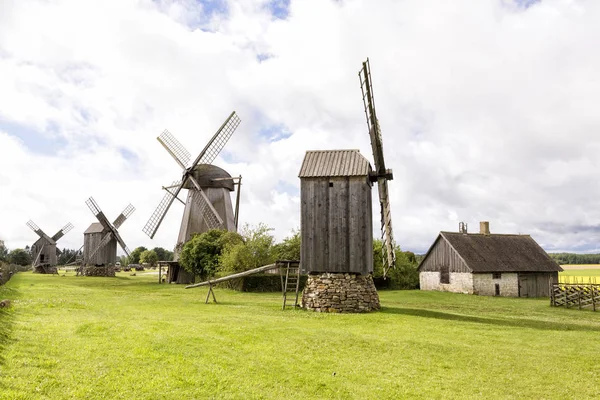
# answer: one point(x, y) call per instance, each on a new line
point(100, 241)
point(208, 204)
point(337, 222)
point(381, 175)
point(44, 250)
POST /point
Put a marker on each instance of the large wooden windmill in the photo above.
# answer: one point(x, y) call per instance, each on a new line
point(100, 241)
point(337, 223)
point(44, 250)
point(208, 205)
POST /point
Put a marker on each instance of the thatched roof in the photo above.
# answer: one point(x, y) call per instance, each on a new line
point(500, 253)
point(327, 163)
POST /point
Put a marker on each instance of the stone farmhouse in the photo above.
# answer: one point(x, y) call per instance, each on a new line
point(488, 264)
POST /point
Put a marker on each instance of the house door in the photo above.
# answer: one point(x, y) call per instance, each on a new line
point(523, 286)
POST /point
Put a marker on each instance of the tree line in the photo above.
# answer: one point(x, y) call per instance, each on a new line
point(572, 258)
point(219, 253)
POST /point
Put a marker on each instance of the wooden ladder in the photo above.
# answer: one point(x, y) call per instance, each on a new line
point(291, 282)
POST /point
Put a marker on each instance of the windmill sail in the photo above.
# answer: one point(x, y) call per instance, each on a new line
point(382, 175)
point(123, 216)
point(67, 228)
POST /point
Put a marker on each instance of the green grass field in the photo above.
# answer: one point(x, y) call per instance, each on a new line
point(130, 338)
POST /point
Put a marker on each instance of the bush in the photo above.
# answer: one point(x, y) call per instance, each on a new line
point(19, 257)
point(255, 251)
point(200, 255)
point(404, 276)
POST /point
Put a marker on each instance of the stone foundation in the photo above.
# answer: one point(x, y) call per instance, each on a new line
point(45, 270)
point(340, 292)
point(98, 271)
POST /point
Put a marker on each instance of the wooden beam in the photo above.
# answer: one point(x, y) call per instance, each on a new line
point(235, 276)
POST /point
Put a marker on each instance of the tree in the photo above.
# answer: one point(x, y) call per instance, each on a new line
point(149, 257)
point(67, 256)
point(3, 251)
point(255, 251)
point(19, 257)
point(134, 257)
point(124, 260)
point(200, 255)
point(405, 275)
point(163, 255)
point(289, 249)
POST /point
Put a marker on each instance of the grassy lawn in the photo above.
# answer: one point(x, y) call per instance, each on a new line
point(130, 338)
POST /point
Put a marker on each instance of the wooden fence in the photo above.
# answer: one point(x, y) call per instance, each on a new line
point(578, 295)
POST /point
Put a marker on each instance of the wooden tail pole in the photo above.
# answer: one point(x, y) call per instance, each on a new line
point(210, 291)
point(235, 276)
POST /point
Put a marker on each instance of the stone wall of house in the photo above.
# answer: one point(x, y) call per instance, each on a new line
point(460, 282)
point(485, 284)
point(340, 292)
point(98, 271)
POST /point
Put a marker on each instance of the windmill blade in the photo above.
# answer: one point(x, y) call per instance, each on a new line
point(372, 121)
point(121, 242)
point(58, 251)
point(95, 209)
point(66, 229)
point(211, 216)
point(218, 141)
point(161, 210)
point(123, 216)
point(387, 233)
point(40, 233)
point(175, 149)
point(100, 246)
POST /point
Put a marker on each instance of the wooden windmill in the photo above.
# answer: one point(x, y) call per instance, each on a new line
point(208, 205)
point(100, 241)
point(44, 250)
point(337, 223)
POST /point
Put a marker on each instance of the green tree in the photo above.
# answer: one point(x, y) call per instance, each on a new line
point(405, 275)
point(289, 248)
point(124, 260)
point(19, 257)
point(134, 257)
point(255, 251)
point(200, 255)
point(163, 255)
point(3, 251)
point(149, 257)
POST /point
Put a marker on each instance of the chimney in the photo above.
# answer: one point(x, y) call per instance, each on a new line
point(484, 227)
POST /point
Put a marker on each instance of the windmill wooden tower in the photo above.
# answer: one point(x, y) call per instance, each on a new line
point(208, 205)
point(100, 241)
point(336, 221)
point(44, 250)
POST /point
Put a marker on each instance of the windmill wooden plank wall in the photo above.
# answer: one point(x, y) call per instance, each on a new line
point(91, 240)
point(336, 212)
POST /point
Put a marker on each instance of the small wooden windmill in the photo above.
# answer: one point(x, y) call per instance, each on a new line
point(44, 250)
point(336, 221)
point(208, 204)
point(100, 241)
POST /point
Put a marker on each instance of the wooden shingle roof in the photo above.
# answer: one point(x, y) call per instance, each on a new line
point(95, 227)
point(500, 253)
point(325, 163)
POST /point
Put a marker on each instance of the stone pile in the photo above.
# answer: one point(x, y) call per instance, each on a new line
point(341, 292)
point(99, 271)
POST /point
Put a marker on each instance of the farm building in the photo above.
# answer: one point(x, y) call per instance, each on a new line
point(488, 264)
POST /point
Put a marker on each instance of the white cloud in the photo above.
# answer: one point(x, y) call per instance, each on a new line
point(487, 109)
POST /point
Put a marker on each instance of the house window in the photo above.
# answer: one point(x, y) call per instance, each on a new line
point(330, 184)
point(496, 275)
point(497, 287)
point(444, 274)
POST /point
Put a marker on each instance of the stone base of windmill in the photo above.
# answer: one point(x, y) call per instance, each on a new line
point(98, 270)
point(340, 293)
point(45, 270)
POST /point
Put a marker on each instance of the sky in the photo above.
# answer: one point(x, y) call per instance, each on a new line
point(488, 110)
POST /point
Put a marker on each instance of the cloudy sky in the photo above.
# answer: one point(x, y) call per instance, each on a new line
point(488, 109)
